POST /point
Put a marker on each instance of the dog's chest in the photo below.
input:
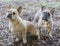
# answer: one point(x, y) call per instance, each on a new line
point(17, 26)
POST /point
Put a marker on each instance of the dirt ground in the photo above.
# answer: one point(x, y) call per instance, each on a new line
point(6, 37)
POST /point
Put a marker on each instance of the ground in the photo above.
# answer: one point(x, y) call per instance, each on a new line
point(6, 37)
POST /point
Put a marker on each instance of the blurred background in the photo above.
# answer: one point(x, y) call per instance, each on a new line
point(30, 8)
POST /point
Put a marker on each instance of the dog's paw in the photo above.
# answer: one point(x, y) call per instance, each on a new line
point(16, 39)
point(24, 41)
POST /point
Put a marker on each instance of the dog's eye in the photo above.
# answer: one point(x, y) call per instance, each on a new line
point(14, 13)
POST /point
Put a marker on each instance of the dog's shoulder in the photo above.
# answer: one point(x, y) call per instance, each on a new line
point(28, 22)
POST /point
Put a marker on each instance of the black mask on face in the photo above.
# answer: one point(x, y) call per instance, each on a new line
point(46, 16)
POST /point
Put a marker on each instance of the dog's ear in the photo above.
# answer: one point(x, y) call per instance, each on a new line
point(43, 8)
point(52, 11)
point(10, 6)
point(19, 9)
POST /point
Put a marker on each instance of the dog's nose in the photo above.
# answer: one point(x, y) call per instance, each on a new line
point(9, 15)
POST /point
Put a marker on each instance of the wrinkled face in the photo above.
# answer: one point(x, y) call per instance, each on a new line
point(12, 13)
point(46, 16)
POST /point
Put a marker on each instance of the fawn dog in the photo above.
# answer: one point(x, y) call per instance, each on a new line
point(17, 24)
point(45, 19)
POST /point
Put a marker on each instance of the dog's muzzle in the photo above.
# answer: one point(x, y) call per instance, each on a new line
point(9, 16)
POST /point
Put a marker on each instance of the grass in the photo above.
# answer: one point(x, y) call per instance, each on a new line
point(49, 4)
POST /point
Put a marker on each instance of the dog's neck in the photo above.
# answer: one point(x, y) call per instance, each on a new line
point(17, 20)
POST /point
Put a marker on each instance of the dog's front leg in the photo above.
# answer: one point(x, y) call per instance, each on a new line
point(49, 29)
point(16, 35)
point(36, 32)
point(24, 36)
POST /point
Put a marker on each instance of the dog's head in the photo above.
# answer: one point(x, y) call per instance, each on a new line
point(46, 11)
point(13, 13)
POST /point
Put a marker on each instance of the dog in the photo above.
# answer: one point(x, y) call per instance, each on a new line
point(17, 24)
point(44, 18)
point(37, 15)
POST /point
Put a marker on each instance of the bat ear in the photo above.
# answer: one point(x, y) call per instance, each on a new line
point(52, 11)
point(19, 9)
point(10, 6)
point(43, 8)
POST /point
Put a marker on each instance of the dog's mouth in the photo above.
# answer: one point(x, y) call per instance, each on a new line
point(11, 17)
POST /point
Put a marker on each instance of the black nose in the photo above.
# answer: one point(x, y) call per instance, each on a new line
point(9, 15)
